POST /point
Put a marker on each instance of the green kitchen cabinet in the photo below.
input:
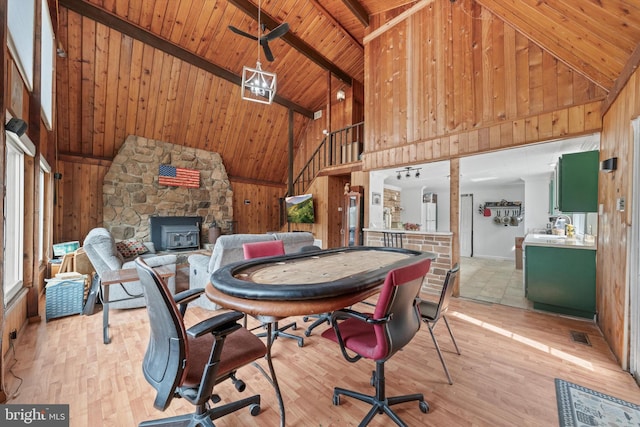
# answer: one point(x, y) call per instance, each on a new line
point(561, 280)
point(552, 197)
point(578, 182)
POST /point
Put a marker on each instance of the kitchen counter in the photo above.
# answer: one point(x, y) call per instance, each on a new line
point(560, 274)
point(551, 240)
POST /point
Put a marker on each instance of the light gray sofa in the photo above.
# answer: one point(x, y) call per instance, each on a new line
point(228, 249)
point(100, 248)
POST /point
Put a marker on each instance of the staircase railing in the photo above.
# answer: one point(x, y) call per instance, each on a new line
point(338, 148)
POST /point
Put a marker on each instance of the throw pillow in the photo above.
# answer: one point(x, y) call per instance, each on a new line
point(131, 248)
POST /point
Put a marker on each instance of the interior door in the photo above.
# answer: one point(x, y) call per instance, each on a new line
point(466, 225)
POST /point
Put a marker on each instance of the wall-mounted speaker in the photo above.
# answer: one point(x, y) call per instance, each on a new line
point(17, 126)
point(609, 165)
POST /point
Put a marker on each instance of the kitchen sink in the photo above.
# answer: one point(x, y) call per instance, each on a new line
point(548, 236)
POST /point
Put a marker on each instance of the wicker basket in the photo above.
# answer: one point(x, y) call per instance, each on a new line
point(64, 297)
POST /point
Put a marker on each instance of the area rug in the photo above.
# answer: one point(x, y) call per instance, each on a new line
point(581, 407)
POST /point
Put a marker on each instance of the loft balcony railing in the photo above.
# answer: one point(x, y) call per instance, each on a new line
point(338, 148)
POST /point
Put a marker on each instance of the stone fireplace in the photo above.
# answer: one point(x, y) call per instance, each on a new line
point(132, 195)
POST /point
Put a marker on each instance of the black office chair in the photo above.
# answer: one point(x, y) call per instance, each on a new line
point(378, 336)
point(188, 363)
point(431, 312)
point(320, 318)
point(392, 239)
point(265, 249)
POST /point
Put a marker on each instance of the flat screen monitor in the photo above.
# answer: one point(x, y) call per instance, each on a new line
point(300, 209)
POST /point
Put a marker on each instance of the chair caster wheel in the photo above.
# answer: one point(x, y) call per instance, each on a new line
point(300, 343)
point(336, 400)
point(307, 333)
point(240, 385)
point(254, 409)
point(424, 407)
point(294, 326)
point(215, 398)
point(305, 319)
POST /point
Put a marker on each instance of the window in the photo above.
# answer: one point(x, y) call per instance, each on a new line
point(21, 35)
point(16, 148)
point(46, 69)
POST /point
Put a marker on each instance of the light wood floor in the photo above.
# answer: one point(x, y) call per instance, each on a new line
point(504, 377)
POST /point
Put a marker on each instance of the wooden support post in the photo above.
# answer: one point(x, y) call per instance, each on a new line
point(454, 216)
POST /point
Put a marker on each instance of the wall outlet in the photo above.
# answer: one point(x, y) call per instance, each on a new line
point(13, 334)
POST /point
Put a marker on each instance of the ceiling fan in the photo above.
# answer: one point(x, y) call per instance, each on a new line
point(264, 40)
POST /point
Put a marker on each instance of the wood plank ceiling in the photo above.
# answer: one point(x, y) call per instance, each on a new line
point(169, 69)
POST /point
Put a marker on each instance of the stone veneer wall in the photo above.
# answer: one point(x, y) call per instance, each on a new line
point(438, 243)
point(131, 193)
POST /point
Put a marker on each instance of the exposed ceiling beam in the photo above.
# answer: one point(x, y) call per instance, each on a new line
point(623, 78)
point(297, 43)
point(102, 16)
point(395, 21)
point(358, 10)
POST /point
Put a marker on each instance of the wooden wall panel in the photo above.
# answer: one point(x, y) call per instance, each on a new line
point(14, 318)
point(613, 225)
point(566, 122)
point(78, 195)
point(474, 72)
point(262, 213)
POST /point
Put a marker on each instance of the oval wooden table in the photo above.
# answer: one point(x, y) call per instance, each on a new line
point(304, 283)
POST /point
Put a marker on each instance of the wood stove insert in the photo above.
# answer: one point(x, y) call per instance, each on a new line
point(175, 232)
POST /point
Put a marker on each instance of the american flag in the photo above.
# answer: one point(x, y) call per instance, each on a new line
point(178, 177)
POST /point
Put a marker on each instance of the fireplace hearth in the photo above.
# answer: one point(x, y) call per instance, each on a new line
point(175, 233)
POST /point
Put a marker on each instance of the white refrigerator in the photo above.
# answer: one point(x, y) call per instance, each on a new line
point(430, 212)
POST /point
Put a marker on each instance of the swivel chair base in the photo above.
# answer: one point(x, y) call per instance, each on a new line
point(279, 332)
point(205, 417)
point(320, 319)
point(379, 402)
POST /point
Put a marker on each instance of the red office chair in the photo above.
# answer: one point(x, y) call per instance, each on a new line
point(187, 363)
point(378, 336)
point(431, 312)
point(265, 249)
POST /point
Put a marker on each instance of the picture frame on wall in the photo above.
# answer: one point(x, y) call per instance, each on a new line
point(376, 198)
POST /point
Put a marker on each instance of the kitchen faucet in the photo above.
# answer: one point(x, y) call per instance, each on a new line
point(566, 217)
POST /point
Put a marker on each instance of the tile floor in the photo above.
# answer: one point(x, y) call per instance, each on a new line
point(494, 281)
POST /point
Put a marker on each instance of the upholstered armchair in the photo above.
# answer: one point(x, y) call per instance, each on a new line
point(100, 248)
point(228, 249)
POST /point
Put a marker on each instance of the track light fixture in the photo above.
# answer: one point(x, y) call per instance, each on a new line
point(407, 172)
